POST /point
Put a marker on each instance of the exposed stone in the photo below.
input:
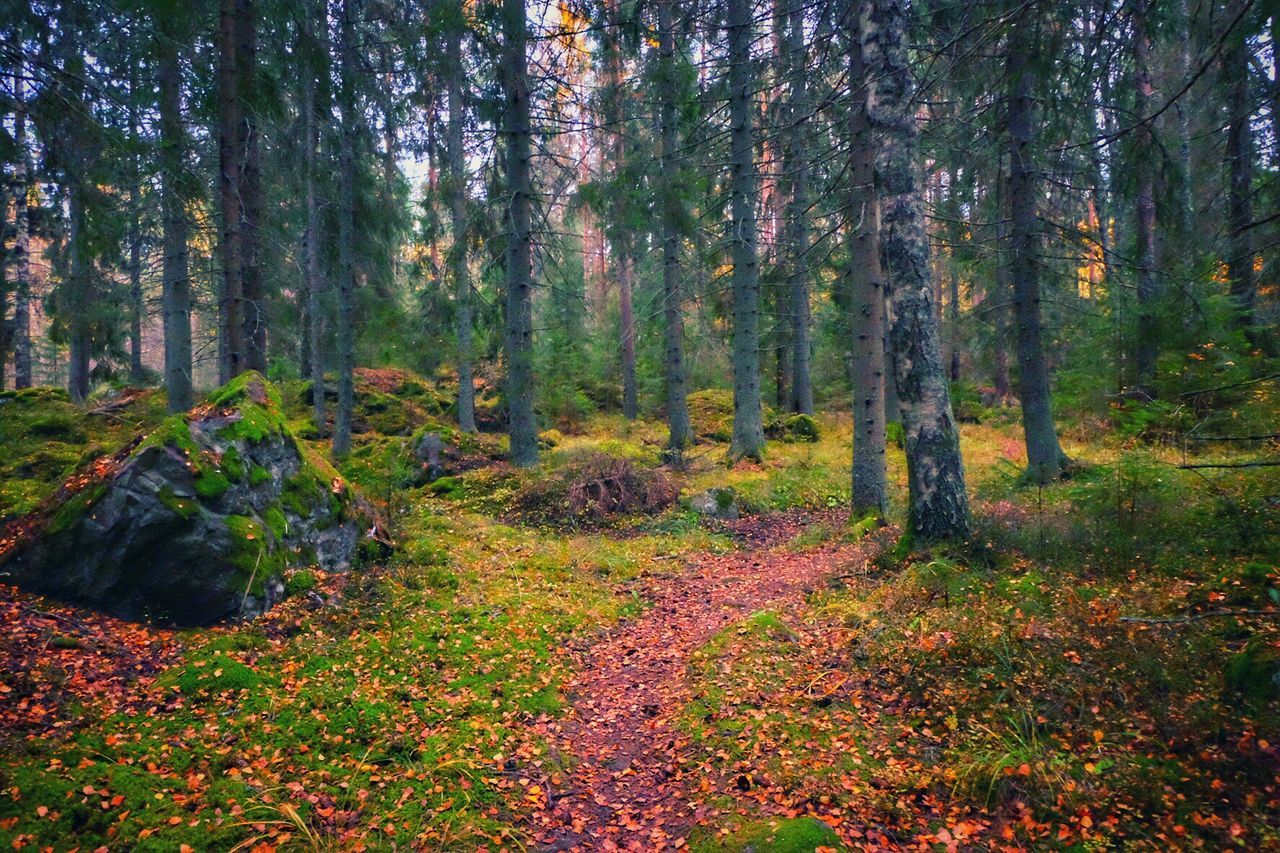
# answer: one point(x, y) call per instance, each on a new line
point(194, 523)
point(719, 502)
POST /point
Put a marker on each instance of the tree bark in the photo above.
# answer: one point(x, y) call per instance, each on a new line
point(231, 350)
point(1146, 343)
point(518, 339)
point(80, 338)
point(253, 315)
point(867, 293)
point(1045, 459)
point(748, 428)
point(1240, 270)
point(620, 238)
point(136, 307)
point(672, 314)
point(346, 228)
point(939, 504)
point(317, 54)
point(457, 200)
point(176, 287)
point(21, 244)
point(797, 165)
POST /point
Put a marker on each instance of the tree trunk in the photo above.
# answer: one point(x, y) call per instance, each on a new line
point(867, 294)
point(253, 315)
point(1145, 346)
point(798, 219)
point(80, 339)
point(457, 195)
point(136, 307)
point(939, 505)
point(1240, 269)
point(1045, 459)
point(21, 257)
point(521, 423)
point(1000, 311)
point(176, 288)
point(621, 239)
point(673, 320)
point(748, 429)
point(346, 228)
point(318, 64)
point(230, 326)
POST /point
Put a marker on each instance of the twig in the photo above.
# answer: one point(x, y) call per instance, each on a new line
point(1195, 617)
point(1258, 464)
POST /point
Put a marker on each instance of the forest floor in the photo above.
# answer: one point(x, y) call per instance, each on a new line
point(1098, 669)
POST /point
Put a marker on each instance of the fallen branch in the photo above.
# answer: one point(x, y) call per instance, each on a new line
point(1195, 617)
point(1258, 464)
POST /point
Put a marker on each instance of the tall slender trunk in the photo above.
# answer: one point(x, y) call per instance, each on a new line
point(80, 339)
point(798, 167)
point(1146, 343)
point(346, 227)
point(317, 53)
point(1240, 270)
point(673, 320)
point(1000, 310)
point(748, 429)
point(231, 352)
point(621, 239)
point(176, 288)
point(1045, 459)
point(867, 292)
point(939, 505)
point(253, 314)
point(457, 194)
point(521, 423)
point(22, 242)
point(136, 307)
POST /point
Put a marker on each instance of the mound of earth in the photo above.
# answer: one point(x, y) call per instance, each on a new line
point(195, 522)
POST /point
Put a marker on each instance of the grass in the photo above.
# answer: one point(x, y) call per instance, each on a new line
point(968, 697)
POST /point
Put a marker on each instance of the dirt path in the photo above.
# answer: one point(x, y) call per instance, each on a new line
point(626, 788)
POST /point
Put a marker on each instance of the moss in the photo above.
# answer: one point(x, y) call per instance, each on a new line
point(181, 507)
point(254, 554)
point(276, 522)
point(74, 507)
point(299, 582)
point(211, 483)
point(446, 487)
point(232, 465)
point(58, 426)
point(258, 475)
point(217, 674)
point(798, 835)
point(1255, 672)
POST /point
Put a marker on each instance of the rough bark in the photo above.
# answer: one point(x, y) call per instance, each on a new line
point(231, 353)
point(1045, 459)
point(797, 165)
point(1145, 343)
point(620, 242)
point(78, 297)
point(672, 314)
point(176, 286)
point(939, 505)
point(1240, 270)
point(314, 282)
point(21, 258)
point(136, 307)
point(456, 188)
point(518, 338)
point(252, 313)
point(748, 428)
point(347, 60)
point(867, 295)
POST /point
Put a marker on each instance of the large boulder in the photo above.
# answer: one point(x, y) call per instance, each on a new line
point(195, 522)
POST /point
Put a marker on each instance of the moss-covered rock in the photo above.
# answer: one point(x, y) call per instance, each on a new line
point(195, 522)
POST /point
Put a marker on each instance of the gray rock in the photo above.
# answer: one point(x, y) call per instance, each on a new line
point(718, 502)
point(429, 453)
point(197, 523)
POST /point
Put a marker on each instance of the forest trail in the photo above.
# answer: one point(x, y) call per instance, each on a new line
point(626, 785)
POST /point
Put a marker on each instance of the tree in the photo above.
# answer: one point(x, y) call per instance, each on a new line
point(748, 427)
point(21, 255)
point(866, 289)
point(1045, 459)
point(796, 167)
point(1240, 270)
point(231, 345)
point(176, 287)
point(939, 505)
point(456, 190)
point(351, 118)
point(316, 64)
point(518, 339)
point(1145, 207)
point(671, 215)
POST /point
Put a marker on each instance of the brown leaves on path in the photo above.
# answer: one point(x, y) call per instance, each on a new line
point(626, 784)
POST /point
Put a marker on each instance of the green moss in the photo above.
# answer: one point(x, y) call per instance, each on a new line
point(299, 582)
point(232, 465)
point(1255, 672)
point(798, 835)
point(58, 426)
point(258, 475)
point(181, 507)
point(275, 520)
point(74, 507)
point(255, 554)
point(216, 674)
point(211, 483)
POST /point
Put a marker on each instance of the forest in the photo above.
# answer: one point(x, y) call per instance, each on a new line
point(571, 425)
